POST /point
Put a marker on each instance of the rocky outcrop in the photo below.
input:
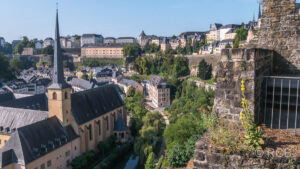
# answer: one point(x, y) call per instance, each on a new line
point(208, 156)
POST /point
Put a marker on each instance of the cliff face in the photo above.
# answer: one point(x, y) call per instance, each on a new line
point(280, 31)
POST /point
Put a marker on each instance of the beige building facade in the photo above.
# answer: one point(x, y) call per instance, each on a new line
point(159, 92)
point(103, 51)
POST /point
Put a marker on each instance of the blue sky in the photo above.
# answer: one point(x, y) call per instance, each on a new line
point(36, 18)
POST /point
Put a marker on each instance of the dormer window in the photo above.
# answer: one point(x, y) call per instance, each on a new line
point(54, 96)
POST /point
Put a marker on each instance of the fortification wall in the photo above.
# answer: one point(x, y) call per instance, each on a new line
point(208, 156)
point(234, 66)
point(279, 31)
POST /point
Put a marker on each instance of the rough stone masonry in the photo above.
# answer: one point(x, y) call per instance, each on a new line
point(279, 31)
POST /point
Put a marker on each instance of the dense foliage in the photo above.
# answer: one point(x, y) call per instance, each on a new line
point(151, 48)
point(147, 127)
point(241, 34)
point(83, 160)
point(187, 114)
point(25, 43)
point(6, 48)
point(131, 52)
point(48, 50)
point(150, 161)
point(165, 64)
point(100, 62)
point(113, 158)
point(16, 66)
point(204, 70)
point(5, 73)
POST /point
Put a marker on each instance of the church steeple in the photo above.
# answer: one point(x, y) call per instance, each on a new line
point(259, 12)
point(58, 81)
point(59, 92)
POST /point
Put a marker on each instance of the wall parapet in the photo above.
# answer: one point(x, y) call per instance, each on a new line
point(234, 66)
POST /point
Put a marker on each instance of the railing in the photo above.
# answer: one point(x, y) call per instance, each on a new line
point(281, 102)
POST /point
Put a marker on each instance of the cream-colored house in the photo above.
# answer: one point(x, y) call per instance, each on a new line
point(159, 92)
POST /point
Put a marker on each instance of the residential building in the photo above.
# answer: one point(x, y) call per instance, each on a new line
point(250, 36)
point(103, 51)
point(214, 33)
point(81, 84)
point(156, 41)
point(75, 41)
point(48, 42)
point(144, 39)
point(230, 34)
point(28, 51)
point(127, 83)
point(159, 92)
point(224, 29)
point(2, 41)
point(225, 42)
point(74, 122)
point(126, 40)
point(165, 45)
point(174, 43)
point(109, 40)
point(91, 39)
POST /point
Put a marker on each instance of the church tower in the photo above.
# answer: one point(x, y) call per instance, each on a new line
point(59, 92)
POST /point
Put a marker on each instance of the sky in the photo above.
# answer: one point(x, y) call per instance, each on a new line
point(36, 18)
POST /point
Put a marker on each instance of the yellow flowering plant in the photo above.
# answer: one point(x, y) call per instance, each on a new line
point(253, 134)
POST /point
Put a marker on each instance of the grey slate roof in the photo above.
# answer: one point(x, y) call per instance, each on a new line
point(36, 102)
point(90, 104)
point(6, 95)
point(120, 125)
point(27, 141)
point(12, 118)
point(103, 45)
point(81, 83)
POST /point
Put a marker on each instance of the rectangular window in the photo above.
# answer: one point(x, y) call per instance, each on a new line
point(43, 166)
point(99, 127)
point(68, 153)
point(49, 163)
point(90, 132)
point(107, 125)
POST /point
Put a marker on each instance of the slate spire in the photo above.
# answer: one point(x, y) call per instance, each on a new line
point(259, 12)
point(58, 81)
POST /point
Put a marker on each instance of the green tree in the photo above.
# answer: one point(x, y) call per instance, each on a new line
point(180, 131)
point(131, 52)
point(228, 46)
point(177, 156)
point(91, 75)
point(131, 91)
point(85, 77)
point(6, 49)
point(16, 66)
point(48, 50)
point(180, 67)
point(241, 34)
point(204, 70)
point(5, 73)
point(154, 48)
point(150, 161)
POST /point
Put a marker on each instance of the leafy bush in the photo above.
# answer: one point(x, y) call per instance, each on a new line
point(83, 160)
point(150, 161)
point(204, 70)
point(114, 157)
point(177, 156)
point(160, 162)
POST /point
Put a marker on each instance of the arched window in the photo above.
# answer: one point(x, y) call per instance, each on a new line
point(90, 132)
point(54, 96)
point(66, 95)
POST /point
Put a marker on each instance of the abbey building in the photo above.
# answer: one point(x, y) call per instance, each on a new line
point(50, 130)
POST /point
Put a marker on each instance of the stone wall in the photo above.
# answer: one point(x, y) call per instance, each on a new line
point(280, 31)
point(208, 156)
point(235, 65)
